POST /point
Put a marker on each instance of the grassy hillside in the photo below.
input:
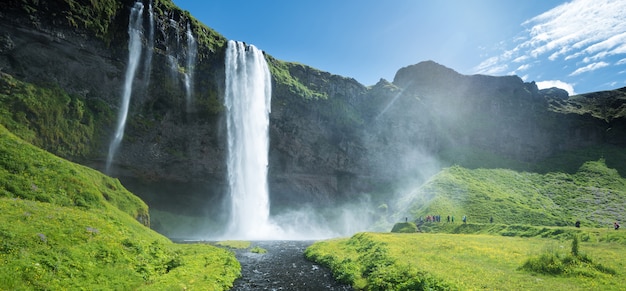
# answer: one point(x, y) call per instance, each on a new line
point(65, 226)
point(469, 262)
point(595, 195)
point(531, 244)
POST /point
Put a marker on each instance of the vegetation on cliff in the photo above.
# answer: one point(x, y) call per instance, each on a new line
point(52, 119)
point(101, 18)
point(68, 226)
point(295, 87)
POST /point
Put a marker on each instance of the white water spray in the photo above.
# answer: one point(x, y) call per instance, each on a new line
point(134, 54)
point(247, 99)
point(192, 51)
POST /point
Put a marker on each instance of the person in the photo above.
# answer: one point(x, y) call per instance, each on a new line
point(448, 218)
point(491, 219)
point(464, 219)
point(577, 224)
point(616, 225)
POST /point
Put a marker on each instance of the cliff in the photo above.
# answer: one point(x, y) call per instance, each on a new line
point(332, 139)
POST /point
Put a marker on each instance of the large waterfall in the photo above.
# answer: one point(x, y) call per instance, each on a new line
point(135, 31)
point(247, 99)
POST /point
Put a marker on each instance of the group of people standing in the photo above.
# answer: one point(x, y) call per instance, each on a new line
point(437, 218)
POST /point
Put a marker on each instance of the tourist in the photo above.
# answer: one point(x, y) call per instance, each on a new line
point(616, 225)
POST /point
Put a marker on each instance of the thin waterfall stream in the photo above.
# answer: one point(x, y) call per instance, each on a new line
point(192, 51)
point(135, 32)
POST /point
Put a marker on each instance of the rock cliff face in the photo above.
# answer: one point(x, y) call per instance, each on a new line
point(332, 139)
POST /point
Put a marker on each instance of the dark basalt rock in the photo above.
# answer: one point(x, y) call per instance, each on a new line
point(344, 140)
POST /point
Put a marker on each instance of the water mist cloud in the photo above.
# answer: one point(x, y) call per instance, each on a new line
point(558, 84)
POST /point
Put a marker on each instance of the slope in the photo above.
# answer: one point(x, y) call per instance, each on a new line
point(65, 226)
point(595, 195)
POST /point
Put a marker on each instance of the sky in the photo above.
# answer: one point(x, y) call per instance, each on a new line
point(577, 45)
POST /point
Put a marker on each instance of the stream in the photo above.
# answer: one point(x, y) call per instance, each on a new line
point(283, 267)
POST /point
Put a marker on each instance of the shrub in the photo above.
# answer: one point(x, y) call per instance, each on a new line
point(552, 262)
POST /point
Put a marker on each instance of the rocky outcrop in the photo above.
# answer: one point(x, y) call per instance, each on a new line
point(332, 139)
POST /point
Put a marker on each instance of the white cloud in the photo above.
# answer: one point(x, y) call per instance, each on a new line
point(491, 66)
point(521, 59)
point(621, 62)
point(592, 30)
point(556, 83)
point(589, 68)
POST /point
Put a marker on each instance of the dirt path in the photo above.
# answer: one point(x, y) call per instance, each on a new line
point(283, 267)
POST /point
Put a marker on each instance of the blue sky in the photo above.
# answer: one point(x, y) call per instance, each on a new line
point(578, 45)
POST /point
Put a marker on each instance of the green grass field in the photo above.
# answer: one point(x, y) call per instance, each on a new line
point(68, 227)
point(389, 261)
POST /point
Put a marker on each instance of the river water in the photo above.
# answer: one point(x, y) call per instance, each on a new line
point(283, 267)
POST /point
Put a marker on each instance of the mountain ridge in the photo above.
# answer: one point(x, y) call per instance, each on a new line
point(332, 138)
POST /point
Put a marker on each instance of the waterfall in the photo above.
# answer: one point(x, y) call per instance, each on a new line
point(247, 99)
point(172, 50)
point(192, 51)
point(134, 54)
point(147, 67)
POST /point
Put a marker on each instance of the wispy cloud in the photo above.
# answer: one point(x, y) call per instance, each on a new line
point(585, 32)
point(589, 68)
point(523, 67)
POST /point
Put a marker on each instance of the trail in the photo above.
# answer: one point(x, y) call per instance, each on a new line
point(283, 267)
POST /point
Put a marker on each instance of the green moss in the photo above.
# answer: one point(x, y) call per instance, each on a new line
point(258, 250)
point(280, 73)
point(50, 118)
point(96, 17)
point(234, 244)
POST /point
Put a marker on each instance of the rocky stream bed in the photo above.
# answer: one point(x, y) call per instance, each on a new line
point(283, 267)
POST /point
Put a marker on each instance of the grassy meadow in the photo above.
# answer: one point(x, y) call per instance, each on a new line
point(531, 244)
point(65, 226)
point(393, 261)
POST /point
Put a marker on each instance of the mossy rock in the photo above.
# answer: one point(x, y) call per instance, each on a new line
point(404, 227)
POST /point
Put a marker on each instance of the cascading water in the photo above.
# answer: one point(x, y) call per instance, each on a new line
point(147, 67)
point(192, 51)
point(135, 32)
point(172, 50)
point(247, 99)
